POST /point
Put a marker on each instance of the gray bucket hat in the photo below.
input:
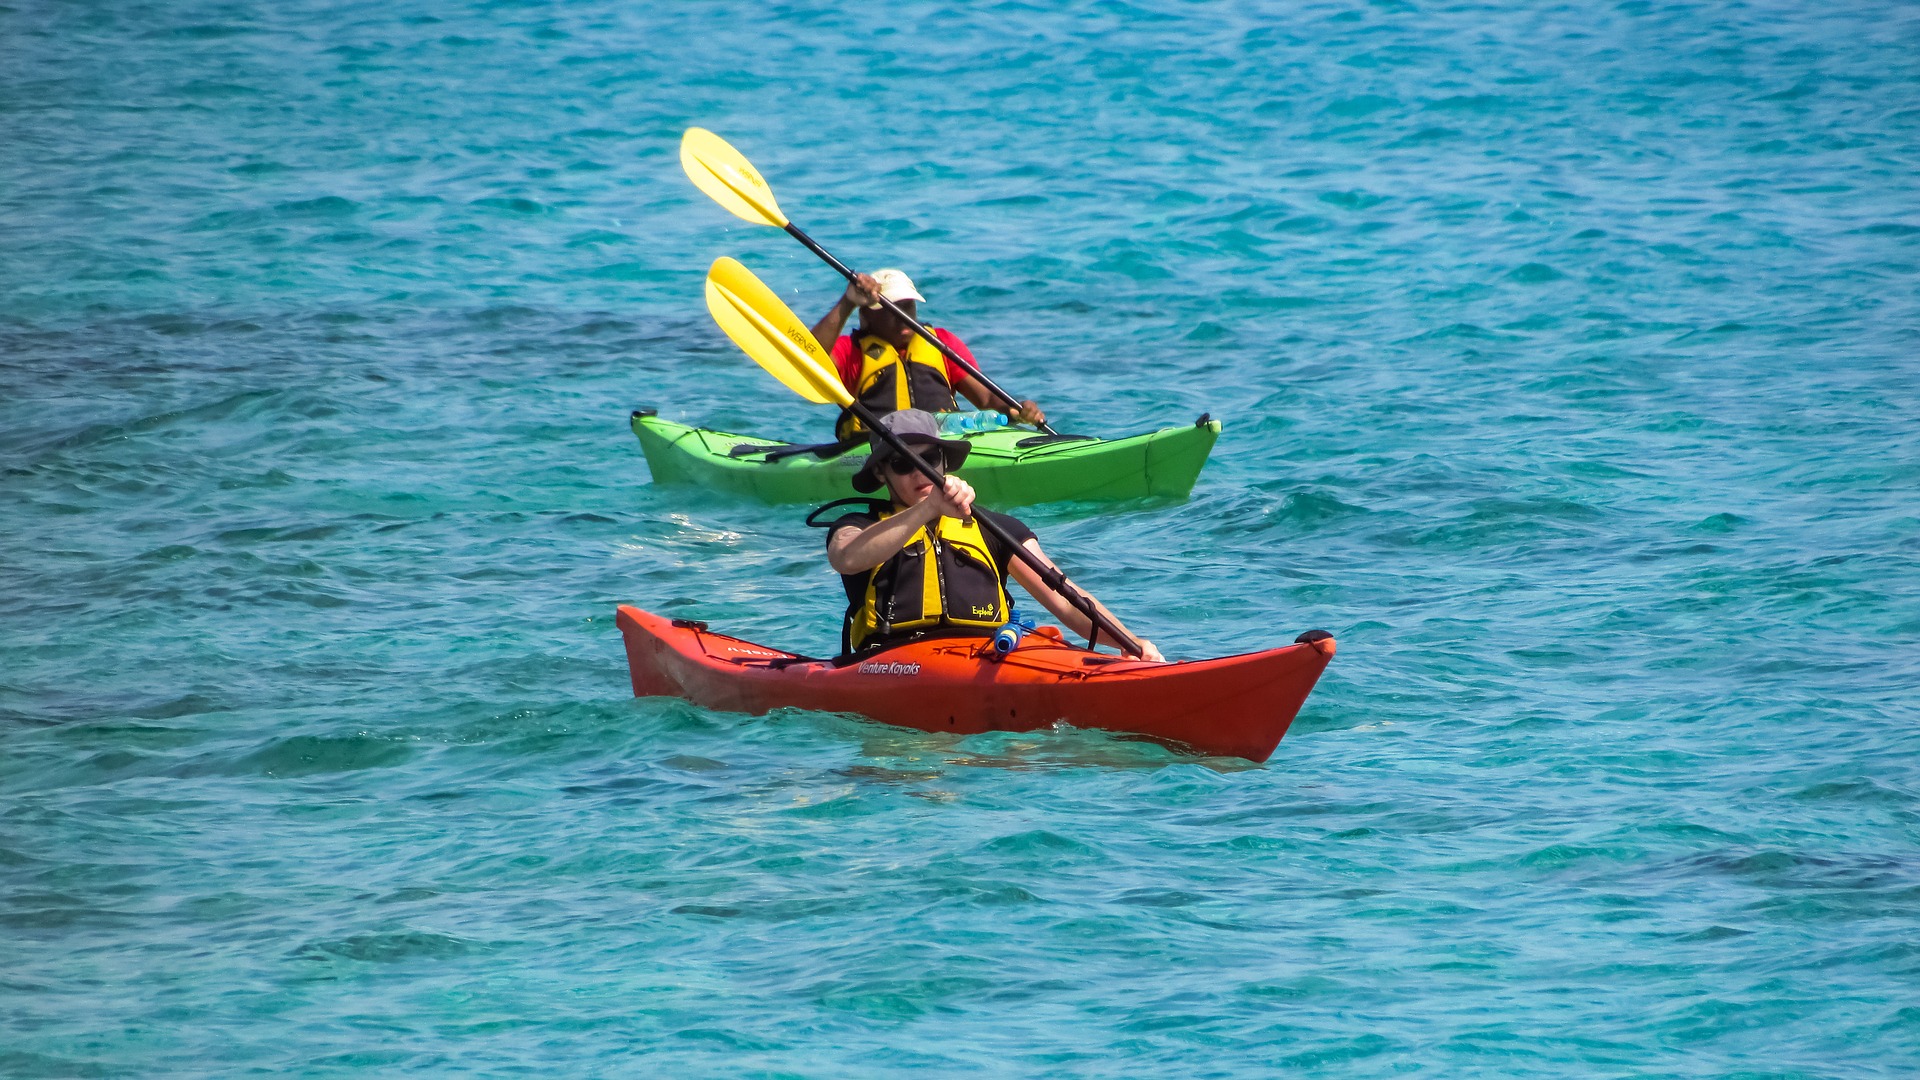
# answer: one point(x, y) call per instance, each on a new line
point(914, 427)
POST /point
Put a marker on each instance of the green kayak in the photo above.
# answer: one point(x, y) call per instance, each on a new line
point(1007, 466)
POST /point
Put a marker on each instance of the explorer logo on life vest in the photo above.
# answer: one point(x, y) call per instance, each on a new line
point(946, 580)
point(888, 384)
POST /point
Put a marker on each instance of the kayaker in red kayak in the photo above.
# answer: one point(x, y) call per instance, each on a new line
point(888, 366)
point(921, 565)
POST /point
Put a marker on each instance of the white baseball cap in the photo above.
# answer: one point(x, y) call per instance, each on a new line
point(896, 286)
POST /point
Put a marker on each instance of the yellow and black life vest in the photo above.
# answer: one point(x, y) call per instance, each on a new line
point(950, 580)
point(887, 384)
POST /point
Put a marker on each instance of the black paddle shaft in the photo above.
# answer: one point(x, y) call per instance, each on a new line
point(847, 272)
point(1055, 580)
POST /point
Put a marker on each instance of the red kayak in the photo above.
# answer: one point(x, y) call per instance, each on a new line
point(1235, 706)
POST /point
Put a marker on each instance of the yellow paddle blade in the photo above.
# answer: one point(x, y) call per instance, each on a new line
point(716, 168)
point(771, 333)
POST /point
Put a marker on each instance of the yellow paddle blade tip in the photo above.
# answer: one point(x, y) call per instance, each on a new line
point(728, 178)
point(771, 334)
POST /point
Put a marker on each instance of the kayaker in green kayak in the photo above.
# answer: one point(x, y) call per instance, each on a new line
point(921, 565)
point(888, 366)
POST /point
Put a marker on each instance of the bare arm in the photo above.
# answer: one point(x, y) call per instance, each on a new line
point(1063, 608)
point(854, 551)
point(861, 291)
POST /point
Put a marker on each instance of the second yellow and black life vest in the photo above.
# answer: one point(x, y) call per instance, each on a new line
point(949, 580)
point(888, 383)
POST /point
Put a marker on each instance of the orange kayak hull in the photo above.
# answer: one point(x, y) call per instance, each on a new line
point(1234, 706)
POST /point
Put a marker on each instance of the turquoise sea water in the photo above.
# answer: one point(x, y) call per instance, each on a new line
point(1567, 360)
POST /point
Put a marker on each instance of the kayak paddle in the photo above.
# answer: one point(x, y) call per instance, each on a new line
point(727, 177)
point(769, 332)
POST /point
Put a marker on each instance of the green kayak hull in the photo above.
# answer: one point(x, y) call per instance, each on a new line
point(1006, 466)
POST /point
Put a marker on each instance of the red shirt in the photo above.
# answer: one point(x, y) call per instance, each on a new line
point(847, 359)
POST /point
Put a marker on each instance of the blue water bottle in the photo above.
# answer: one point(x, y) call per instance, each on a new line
point(1008, 636)
point(964, 423)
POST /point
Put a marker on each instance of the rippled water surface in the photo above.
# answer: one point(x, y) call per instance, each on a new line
point(1567, 361)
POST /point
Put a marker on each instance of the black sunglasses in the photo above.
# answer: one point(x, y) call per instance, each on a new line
point(899, 466)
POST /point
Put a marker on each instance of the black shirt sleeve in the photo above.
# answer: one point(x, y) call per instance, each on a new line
point(858, 521)
point(1014, 528)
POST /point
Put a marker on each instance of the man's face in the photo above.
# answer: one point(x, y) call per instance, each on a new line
point(890, 327)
